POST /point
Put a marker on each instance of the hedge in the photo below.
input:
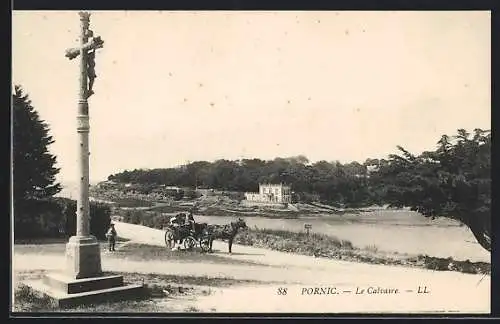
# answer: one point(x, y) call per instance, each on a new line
point(56, 217)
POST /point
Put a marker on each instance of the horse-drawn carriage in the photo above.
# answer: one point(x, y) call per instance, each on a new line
point(201, 234)
point(188, 237)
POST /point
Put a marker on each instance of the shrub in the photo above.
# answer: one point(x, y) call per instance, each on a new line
point(135, 217)
point(190, 193)
point(285, 241)
point(436, 263)
point(153, 219)
point(100, 218)
point(37, 218)
point(56, 217)
point(346, 244)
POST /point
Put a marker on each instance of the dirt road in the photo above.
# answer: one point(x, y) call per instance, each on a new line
point(312, 284)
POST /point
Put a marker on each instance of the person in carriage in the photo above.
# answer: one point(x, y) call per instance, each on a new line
point(177, 222)
point(190, 222)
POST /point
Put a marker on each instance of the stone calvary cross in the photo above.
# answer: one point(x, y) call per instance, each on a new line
point(83, 253)
point(83, 280)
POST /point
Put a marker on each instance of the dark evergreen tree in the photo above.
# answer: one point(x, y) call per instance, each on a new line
point(34, 168)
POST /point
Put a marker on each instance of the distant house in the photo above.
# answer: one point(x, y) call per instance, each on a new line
point(370, 169)
point(271, 193)
point(109, 184)
point(173, 188)
point(205, 191)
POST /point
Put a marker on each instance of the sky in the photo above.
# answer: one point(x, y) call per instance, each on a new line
point(175, 87)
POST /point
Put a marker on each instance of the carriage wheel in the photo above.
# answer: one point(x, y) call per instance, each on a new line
point(169, 239)
point(189, 243)
point(205, 244)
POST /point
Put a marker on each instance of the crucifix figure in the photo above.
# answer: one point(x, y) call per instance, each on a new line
point(87, 50)
point(91, 72)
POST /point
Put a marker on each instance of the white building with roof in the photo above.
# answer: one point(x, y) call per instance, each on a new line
point(271, 193)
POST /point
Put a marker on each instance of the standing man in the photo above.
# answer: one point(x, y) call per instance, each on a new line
point(111, 235)
point(176, 222)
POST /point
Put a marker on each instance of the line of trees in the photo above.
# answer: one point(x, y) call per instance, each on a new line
point(334, 182)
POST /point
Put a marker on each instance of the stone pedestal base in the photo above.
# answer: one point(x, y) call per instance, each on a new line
point(67, 285)
point(83, 281)
point(67, 292)
point(83, 257)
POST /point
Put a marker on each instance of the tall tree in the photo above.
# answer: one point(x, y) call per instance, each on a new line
point(453, 181)
point(34, 168)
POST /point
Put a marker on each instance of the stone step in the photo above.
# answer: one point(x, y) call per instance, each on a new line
point(64, 300)
point(72, 286)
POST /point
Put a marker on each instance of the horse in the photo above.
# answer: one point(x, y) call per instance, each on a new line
point(225, 232)
point(199, 228)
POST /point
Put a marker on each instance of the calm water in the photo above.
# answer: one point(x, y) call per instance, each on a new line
point(401, 231)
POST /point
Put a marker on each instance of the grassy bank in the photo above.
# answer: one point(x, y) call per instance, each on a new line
point(145, 253)
point(319, 245)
